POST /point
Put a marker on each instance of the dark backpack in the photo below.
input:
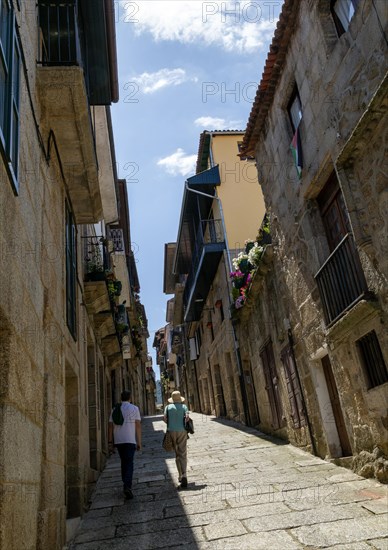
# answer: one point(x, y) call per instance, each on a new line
point(117, 415)
point(189, 425)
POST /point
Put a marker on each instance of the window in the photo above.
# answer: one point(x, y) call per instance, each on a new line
point(210, 326)
point(219, 305)
point(198, 339)
point(9, 90)
point(58, 36)
point(373, 360)
point(293, 388)
point(333, 211)
point(71, 273)
point(294, 109)
point(342, 12)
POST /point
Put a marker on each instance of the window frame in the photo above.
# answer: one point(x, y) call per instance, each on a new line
point(295, 130)
point(331, 200)
point(337, 21)
point(10, 50)
point(377, 375)
point(294, 96)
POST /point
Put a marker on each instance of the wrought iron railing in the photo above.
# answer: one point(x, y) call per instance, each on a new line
point(96, 257)
point(208, 232)
point(341, 280)
point(59, 38)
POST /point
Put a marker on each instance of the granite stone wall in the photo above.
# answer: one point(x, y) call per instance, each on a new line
point(342, 86)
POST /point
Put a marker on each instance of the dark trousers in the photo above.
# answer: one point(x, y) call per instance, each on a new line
point(127, 453)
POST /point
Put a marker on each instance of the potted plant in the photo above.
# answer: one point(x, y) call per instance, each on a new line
point(114, 288)
point(94, 271)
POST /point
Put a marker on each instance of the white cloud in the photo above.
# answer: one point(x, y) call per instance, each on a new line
point(214, 123)
point(211, 123)
point(152, 82)
point(243, 26)
point(179, 163)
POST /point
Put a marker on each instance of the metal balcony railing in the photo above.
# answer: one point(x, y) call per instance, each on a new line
point(341, 281)
point(59, 38)
point(208, 232)
point(96, 257)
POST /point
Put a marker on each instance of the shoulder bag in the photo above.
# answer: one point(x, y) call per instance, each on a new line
point(167, 440)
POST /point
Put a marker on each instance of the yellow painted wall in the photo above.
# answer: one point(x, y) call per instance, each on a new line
point(240, 192)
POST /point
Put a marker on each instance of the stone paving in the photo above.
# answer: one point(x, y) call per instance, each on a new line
point(245, 491)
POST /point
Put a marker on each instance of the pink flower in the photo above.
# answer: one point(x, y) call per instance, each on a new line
point(239, 302)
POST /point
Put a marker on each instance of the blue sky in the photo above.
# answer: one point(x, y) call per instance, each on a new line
point(184, 67)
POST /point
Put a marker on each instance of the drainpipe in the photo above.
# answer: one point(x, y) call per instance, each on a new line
point(229, 266)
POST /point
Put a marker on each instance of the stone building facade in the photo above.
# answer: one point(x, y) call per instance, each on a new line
point(316, 315)
point(216, 219)
point(61, 337)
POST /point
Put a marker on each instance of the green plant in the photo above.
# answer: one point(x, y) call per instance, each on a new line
point(114, 288)
point(264, 234)
point(93, 266)
point(246, 263)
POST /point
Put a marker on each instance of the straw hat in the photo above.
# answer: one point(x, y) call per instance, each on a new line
point(176, 397)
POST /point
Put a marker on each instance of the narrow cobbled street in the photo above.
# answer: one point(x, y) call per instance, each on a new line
point(245, 491)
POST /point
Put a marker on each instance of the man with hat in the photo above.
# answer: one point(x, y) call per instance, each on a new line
point(175, 415)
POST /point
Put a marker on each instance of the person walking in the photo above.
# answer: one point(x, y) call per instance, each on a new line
point(126, 437)
point(175, 416)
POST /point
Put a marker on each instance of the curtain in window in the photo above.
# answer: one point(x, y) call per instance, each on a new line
point(295, 110)
point(344, 9)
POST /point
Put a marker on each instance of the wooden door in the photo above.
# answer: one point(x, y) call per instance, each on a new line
point(333, 211)
point(293, 387)
point(251, 394)
point(336, 406)
point(272, 385)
